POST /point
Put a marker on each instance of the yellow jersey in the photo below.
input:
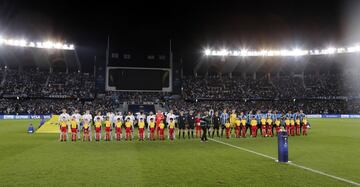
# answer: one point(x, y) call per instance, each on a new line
point(63, 124)
point(292, 122)
point(269, 121)
point(227, 125)
point(152, 124)
point(128, 124)
point(232, 118)
point(304, 121)
point(287, 122)
point(243, 122)
point(172, 125)
point(297, 122)
point(107, 123)
point(86, 125)
point(238, 122)
point(161, 126)
point(253, 122)
point(73, 124)
point(277, 122)
point(98, 124)
point(263, 121)
point(141, 124)
point(118, 124)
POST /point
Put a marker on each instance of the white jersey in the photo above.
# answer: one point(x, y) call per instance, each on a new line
point(64, 117)
point(101, 118)
point(118, 116)
point(87, 117)
point(150, 117)
point(111, 117)
point(168, 116)
point(77, 117)
point(141, 116)
point(131, 117)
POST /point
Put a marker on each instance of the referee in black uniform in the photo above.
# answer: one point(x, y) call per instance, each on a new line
point(191, 124)
point(204, 123)
point(181, 121)
point(216, 123)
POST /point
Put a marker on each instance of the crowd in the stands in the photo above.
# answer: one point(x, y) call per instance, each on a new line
point(38, 92)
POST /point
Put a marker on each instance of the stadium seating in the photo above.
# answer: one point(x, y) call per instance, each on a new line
point(37, 92)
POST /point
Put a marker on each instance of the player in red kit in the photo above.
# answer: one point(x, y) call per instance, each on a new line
point(161, 130)
point(152, 129)
point(171, 127)
point(197, 126)
point(304, 126)
point(158, 119)
point(297, 126)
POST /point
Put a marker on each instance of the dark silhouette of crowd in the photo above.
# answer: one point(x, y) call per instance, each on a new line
point(39, 92)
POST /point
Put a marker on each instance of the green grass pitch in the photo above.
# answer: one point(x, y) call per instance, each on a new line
point(333, 147)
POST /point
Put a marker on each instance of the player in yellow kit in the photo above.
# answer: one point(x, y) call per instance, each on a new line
point(152, 126)
point(287, 125)
point(233, 118)
point(141, 125)
point(128, 126)
point(292, 126)
point(86, 130)
point(161, 130)
point(63, 130)
point(304, 126)
point(253, 124)
point(107, 129)
point(227, 129)
point(269, 123)
point(74, 126)
point(118, 128)
point(98, 129)
point(243, 127)
point(277, 126)
point(237, 128)
point(297, 126)
point(263, 126)
point(171, 127)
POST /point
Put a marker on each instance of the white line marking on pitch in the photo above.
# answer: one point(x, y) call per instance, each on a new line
point(290, 163)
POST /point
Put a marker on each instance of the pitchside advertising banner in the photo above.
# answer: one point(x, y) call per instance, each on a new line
point(25, 116)
point(333, 115)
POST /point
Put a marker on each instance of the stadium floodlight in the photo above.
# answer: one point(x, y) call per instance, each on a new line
point(224, 52)
point(45, 45)
point(330, 50)
point(244, 52)
point(353, 49)
point(207, 52)
point(282, 52)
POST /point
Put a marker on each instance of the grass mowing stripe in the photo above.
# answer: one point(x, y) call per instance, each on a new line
point(290, 163)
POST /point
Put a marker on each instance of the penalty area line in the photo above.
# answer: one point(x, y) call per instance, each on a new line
point(290, 163)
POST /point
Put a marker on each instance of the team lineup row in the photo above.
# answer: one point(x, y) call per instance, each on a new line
point(208, 122)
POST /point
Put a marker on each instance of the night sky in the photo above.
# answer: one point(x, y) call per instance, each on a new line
point(191, 25)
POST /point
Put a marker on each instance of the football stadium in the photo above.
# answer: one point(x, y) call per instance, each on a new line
point(256, 93)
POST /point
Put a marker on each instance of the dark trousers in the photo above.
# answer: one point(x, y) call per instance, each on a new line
point(203, 137)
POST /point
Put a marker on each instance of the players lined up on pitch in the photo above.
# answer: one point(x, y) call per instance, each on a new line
point(208, 122)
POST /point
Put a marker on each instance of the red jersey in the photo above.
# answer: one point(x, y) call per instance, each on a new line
point(159, 117)
point(197, 120)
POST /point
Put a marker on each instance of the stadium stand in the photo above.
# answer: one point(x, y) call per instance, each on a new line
point(36, 92)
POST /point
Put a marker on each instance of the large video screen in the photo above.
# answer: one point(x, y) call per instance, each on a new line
point(138, 79)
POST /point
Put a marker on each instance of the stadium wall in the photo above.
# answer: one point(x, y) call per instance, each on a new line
point(333, 115)
point(25, 116)
point(309, 116)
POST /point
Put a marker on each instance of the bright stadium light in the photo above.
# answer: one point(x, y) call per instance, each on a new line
point(224, 52)
point(207, 52)
point(45, 45)
point(282, 52)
